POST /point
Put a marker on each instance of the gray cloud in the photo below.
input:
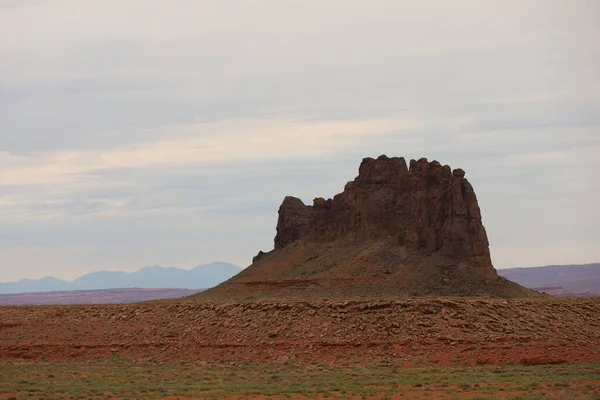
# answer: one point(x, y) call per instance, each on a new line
point(171, 137)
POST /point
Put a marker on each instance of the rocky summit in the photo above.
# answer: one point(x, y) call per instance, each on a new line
point(396, 230)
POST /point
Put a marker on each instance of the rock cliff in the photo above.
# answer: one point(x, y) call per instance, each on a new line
point(396, 230)
point(427, 206)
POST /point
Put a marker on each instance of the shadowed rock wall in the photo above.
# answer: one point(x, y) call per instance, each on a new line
point(428, 206)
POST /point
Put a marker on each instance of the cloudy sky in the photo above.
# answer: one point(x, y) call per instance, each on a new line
point(144, 132)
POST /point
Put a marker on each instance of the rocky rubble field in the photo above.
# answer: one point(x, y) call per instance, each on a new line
point(405, 332)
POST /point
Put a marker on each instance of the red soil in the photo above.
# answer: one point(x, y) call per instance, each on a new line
point(410, 332)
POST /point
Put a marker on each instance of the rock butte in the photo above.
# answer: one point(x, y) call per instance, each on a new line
point(396, 230)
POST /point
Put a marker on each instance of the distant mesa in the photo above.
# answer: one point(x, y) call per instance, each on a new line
point(396, 230)
point(100, 296)
point(559, 280)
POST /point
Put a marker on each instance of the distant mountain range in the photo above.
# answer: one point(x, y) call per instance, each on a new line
point(558, 280)
point(201, 277)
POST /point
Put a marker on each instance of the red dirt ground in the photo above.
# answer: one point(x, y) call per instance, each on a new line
point(409, 332)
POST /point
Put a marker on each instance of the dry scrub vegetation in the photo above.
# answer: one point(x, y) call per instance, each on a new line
point(124, 379)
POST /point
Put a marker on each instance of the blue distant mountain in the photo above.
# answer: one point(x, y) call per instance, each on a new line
point(202, 277)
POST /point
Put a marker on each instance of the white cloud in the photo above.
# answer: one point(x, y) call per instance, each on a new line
point(206, 144)
point(187, 118)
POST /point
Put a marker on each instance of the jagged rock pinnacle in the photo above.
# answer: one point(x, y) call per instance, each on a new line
point(395, 230)
point(426, 206)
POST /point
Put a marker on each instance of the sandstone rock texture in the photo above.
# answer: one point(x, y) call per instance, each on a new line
point(427, 206)
point(396, 230)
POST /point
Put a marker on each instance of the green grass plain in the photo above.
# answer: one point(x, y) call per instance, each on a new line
point(125, 379)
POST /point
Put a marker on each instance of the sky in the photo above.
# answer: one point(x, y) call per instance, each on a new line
point(146, 132)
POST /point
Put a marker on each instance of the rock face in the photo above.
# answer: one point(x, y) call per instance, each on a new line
point(293, 223)
point(396, 230)
point(427, 206)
